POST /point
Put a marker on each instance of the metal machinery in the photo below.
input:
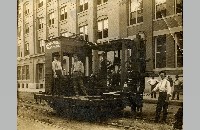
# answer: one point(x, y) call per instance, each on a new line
point(105, 95)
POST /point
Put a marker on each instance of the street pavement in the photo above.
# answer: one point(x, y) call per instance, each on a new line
point(29, 124)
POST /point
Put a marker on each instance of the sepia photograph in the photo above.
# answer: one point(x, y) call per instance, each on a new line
point(99, 64)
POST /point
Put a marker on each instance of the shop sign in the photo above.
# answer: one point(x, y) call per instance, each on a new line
point(54, 44)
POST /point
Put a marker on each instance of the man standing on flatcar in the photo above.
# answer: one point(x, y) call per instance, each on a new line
point(78, 69)
point(57, 74)
point(164, 93)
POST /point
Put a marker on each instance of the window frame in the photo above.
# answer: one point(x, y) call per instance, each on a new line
point(51, 19)
point(40, 23)
point(18, 51)
point(27, 52)
point(156, 4)
point(40, 75)
point(84, 34)
point(26, 9)
point(27, 72)
point(136, 13)
point(176, 49)
point(156, 52)
point(100, 2)
point(83, 5)
point(19, 72)
point(23, 73)
point(64, 14)
point(102, 29)
point(40, 3)
point(26, 28)
point(41, 46)
point(175, 9)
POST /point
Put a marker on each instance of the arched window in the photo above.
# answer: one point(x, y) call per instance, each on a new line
point(26, 8)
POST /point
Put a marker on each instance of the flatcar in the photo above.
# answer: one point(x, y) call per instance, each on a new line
point(111, 86)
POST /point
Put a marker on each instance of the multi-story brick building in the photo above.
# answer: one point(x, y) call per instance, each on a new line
point(159, 22)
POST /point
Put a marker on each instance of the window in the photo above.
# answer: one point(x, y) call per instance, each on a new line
point(84, 32)
point(51, 19)
point(27, 72)
point(26, 49)
point(41, 46)
point(18, 85)
point(40, 70)
point(160, 8)
point(40, 3)
point(26, 9)
point(18, 51)
point(160, 51)
point(179, 6)
point(83, 5)
point(103, 29)
point(101, 1)
point(26, 28)
point(19, 73)
point(19, 31)
point(63, 13)
point(179, 48)
point(136, 11)
point(23, 73)
point(41, 23)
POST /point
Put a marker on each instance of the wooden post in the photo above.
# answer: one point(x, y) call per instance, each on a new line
point(123, 68)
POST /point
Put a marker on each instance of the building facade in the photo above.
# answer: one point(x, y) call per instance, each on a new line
point(159, 22)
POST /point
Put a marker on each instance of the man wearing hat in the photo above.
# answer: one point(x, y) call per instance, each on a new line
point(57, 74)
point(78, 70)
point(177, 87)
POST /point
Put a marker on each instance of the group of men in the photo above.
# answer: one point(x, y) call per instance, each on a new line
point(176, 86)
point(77, 75)
point(164, 87)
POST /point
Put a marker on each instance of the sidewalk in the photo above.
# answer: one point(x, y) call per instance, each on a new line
point(148, 99)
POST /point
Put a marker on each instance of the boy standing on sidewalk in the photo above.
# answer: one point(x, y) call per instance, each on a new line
point(153, 82)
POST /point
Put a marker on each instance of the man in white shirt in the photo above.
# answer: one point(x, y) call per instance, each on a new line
point(57, 74)
point(78, 70)
point(164, 93)
point(153, 82)
point(177, 87)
